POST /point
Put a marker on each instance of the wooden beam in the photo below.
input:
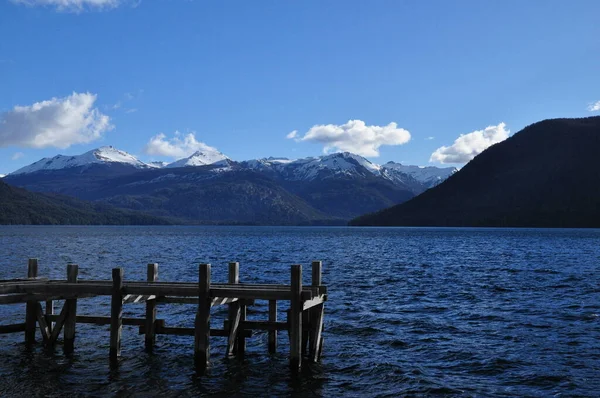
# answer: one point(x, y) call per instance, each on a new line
point(42, 323)
point(116, 315)
point(273, 333)
point(71, 305)
point(179, 331)
point(202, 333)
point(295, 320)
point(14, 298)
point(234, 312)
point(49, 311)
point(60, 321)
point(150, 338)
point(19, 327)
point(314, 302)
point(102, 320)
point(241, 340)
point(317, 333)
point(30, 309)
point(234, 327)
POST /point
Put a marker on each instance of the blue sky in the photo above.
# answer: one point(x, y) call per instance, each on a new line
point(241, 76)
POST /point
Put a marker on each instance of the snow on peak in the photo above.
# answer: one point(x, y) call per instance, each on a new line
point(2, 175)
point(201, 158)
point(102, 155)
point(429, 175)
point(158, 164)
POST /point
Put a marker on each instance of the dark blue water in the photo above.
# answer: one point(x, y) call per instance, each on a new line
point(411, 312)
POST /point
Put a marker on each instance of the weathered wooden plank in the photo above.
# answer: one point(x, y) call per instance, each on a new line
point(202, 332)
point(180, 331)
point(273, 333)
point(116, 315)
point(150, 337)
point(30, 309)
point(314, 302)
point(137, 299)
point(16, 328)
point(49, 311)
point(295, 320)
point(13, 298)
point(71, 315)
point(234, 328)
point(233, 278)
point(101, 320)
point(42, 323)
point(317, 333)
point(60, 321)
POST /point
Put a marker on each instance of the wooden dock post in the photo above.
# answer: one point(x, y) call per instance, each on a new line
point(116, 314)
point(295, 321)
point(234, 310)
point(202, 329)
point(272, 333)
point(31, 307)
point(316, 315)
point(71, 312)
point(150, 339)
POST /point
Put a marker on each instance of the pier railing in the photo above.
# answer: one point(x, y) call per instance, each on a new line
point(304, 321)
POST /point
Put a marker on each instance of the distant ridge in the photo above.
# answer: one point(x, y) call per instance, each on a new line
point(20, 207)
point(546, 175)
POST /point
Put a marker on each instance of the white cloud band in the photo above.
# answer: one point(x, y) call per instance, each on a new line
point(355, 136)
point(467, 146)
point(595, 107)
point(58, 122)
point(74, 5)
point(180, 146)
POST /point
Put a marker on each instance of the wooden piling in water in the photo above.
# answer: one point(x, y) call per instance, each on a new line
point(295, 321)
point(202, 335)
point(31, 306)
point(272, 333)
point(150, 336)
point(116, 314)
point(71, 312)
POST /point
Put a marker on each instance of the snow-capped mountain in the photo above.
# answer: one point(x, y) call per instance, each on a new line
point(102, 155)
point(430, 176)
point(201, 158)
point(349, 165)
point(2, 175)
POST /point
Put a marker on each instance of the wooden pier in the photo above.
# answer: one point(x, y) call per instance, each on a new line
point(304, 321)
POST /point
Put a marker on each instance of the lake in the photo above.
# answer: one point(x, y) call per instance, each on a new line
point(411, 311)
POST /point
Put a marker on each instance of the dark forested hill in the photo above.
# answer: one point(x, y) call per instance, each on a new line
point(18, 206)
point(546, 175)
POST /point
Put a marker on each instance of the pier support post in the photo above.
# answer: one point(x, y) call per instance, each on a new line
point(295, 321)
point(116, 315)
point(49, 311)
point(152, 275)
point(272, 333)
point(202, 329)
point(71, 312)
point(31, 307)
point(234, 310)
point(316, 315)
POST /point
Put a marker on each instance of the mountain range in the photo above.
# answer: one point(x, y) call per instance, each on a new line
point(209, 187)
point(546, 175)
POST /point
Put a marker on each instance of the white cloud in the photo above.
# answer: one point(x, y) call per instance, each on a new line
point(292, 135)
point(178, 147)
point(595, 107)
point(17, 155)
point(77, 5)
point(356, 137)
point(430, 138)
point(131, 110)
point(58, 122)
point(467, 146)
